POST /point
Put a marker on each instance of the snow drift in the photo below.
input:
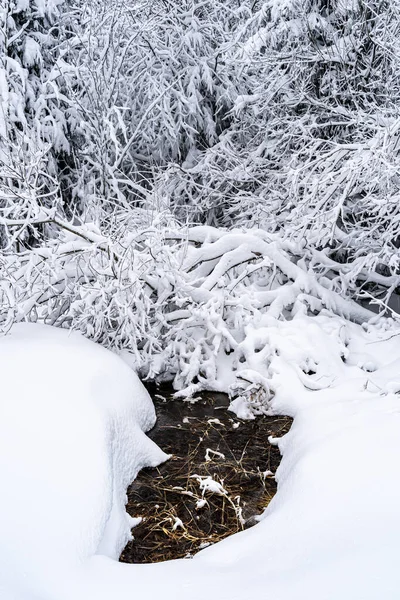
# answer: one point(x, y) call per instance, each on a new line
point(71, 439)
point(72, 417)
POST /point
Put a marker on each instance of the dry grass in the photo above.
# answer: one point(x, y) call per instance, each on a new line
point(211, 449)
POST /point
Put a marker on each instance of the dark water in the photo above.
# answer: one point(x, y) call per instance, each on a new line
point(206, 440)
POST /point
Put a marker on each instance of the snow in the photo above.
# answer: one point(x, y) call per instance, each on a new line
point(208, 484)
point(72, 417)
point(32, 52)
point(71, 439)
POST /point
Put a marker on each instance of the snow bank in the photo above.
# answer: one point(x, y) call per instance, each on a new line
point(72, 417)
point(333, 529)
point(71, 440)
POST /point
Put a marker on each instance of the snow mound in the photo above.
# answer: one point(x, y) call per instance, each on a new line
point(72, 417)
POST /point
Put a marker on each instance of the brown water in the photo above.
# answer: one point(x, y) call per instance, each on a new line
point(206, 440)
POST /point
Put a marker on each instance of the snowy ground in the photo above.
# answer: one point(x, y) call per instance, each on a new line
point(72, 417)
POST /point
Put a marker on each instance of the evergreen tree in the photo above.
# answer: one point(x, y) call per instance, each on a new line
point(35, 135)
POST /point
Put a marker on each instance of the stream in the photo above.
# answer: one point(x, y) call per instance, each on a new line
point(219, 479)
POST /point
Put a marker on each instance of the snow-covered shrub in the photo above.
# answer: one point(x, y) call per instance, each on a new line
point(312, 146)
point(194, 306)
point(122, 122)
point(153, 90)
point(275, 115)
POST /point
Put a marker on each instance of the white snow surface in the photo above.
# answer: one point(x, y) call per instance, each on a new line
point(71, 436)
point(72, 417)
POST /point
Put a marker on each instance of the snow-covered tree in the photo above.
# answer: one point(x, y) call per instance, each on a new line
point(35, 118)
point(155, 91)
point(271, 126)
point(312, 149)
